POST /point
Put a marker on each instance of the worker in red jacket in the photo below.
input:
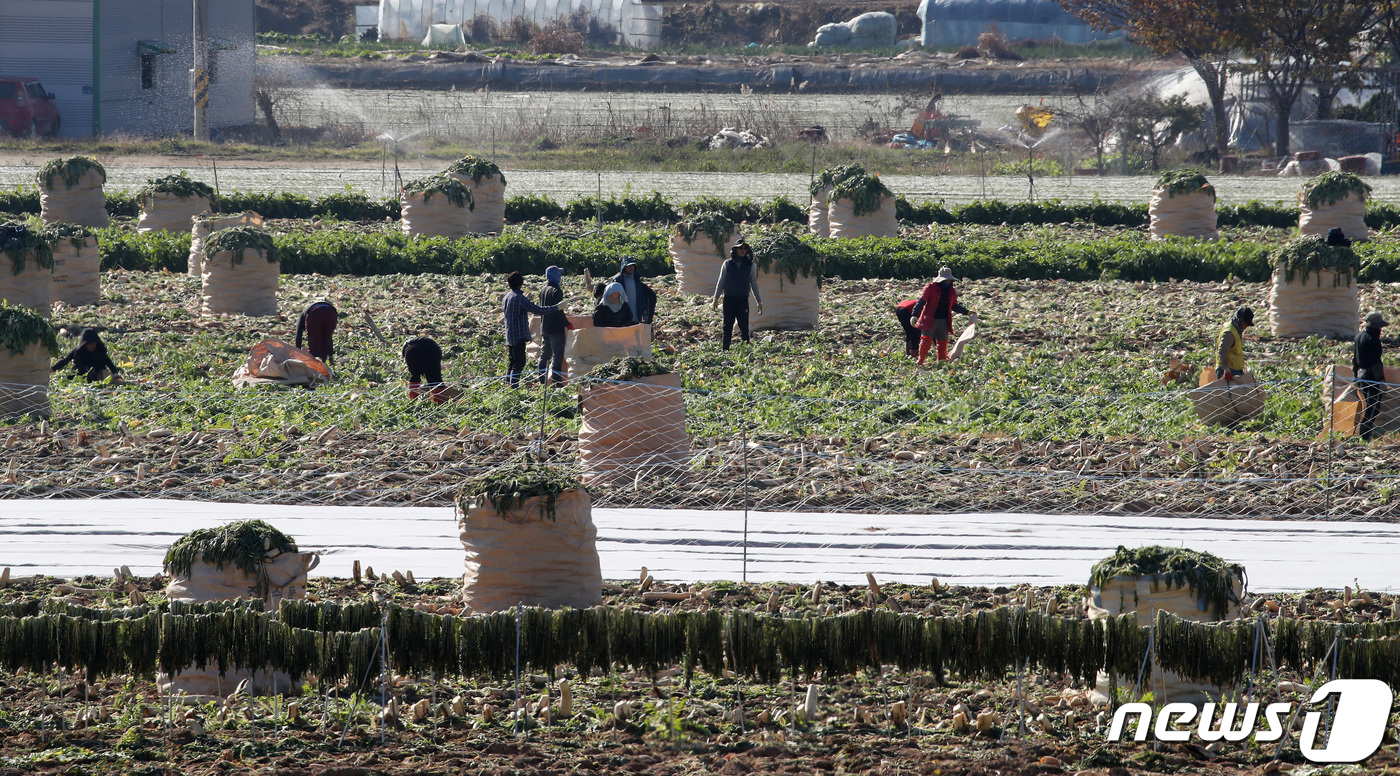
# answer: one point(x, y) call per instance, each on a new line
point(907, 312)
point(940, 301)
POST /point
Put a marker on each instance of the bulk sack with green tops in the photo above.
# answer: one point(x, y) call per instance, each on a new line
point(70, 192)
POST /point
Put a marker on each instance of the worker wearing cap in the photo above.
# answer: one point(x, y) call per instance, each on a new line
point(1229, 357)
point(1366, 366)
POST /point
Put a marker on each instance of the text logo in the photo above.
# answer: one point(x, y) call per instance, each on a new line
point(1358, 722)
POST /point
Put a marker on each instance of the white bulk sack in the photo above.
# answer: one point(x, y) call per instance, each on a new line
point(77, 276)
point(526, 556)
point(698, 263)
point(634, 429)
point(163, 212)
point(206, 582)
point(24, 382)
point(248, 287)
point(205, 224)
point(816, 213)
point(1323, 304)
point(31, 287)
point(1145, 595)
point(842, 220)
point(1347, 214)
point(435, 216)
point(83, 203)
point(489, 197)
point(587, 348)
point(788, 305)
point(532, 350)
point(1184, 215)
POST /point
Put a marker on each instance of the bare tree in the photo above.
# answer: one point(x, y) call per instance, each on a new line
point(273, 87)
point(1158, 123)
point(1099, 116)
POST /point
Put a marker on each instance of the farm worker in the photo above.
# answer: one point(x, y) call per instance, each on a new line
point(641, 300)
point(515, 308)
point(552, 326)
point(934, 322)
point(318, 322)
point(90, 358)
point(737, 277)
point(423, 358)
point(613, 312)
point(906, 312)
point(1369, 371)
point(1337, 238)
point(1229, 356)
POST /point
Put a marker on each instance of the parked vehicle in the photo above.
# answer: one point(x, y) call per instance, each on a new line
point(27, 109)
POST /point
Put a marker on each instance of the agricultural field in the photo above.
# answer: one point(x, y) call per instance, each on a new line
point(663, 720)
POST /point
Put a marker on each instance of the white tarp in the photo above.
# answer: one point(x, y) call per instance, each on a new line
point(638, 23)
point(67, 538)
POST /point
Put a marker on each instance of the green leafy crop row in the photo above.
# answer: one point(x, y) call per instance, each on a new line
point(531, 249)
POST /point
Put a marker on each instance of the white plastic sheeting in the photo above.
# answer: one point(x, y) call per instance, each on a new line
point(69, 538)
point(637, 23)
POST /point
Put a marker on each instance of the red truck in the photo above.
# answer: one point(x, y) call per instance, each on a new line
point(27, 109)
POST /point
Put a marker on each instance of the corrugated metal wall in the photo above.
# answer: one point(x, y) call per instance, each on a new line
point(52, 40)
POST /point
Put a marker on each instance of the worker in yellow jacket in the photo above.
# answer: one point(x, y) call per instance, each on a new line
point(1229, 358)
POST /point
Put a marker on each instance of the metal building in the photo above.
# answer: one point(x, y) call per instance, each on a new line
point(123, 66)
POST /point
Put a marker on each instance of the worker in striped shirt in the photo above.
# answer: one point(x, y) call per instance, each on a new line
point(516, 309)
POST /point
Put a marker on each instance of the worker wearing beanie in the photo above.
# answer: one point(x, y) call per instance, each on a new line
point(1366, 366)
point(1229, 357)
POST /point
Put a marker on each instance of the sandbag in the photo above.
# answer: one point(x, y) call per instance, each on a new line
point(206, 582)
point(248, 287)
point(24, 382)
point(632, 430)
point(1221, 402)
point(1347, 214)
point(817, 222)
point(788, 305)
point(77, 275)
point(587, 348)
point(32, 287)
point(525, 556)
point(84, 203)
point(489, 197)
point(273, 361)
point(434, 217)
point(1323, 304)
point(968, 334)
point(843, 222)
point(532, 350)
point(1345, 404)
point(163, 212)
point(205, 224)
point(1144, 596)
point(697, 263)
point(1185, 215)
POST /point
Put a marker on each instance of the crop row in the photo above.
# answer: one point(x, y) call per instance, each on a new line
point(354, 206)
point(532, 249)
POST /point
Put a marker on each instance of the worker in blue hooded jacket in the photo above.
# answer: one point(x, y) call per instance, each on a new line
point(641, 300)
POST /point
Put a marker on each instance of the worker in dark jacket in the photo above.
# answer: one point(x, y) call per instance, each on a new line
point(423, 358)
point(318, 322)
point(516, 309)
point(907, 312)
point(1369, 371)
point(641, 300)
point(738, 276)
point(90, 358)
point(553, 327)
point(935, 319)
point(613, 312)
point(1229, 348)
